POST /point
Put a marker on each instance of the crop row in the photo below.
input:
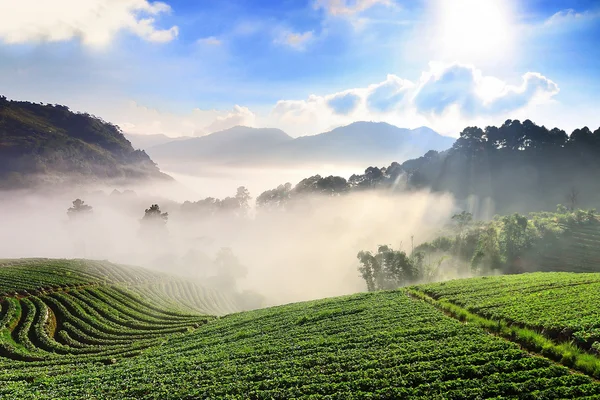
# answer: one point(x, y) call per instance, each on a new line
point(561, 305)
point(82, 325)
point(190, 296)
point(379, 345)
point(25, 277)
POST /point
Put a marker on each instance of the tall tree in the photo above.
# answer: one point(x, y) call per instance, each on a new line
point(388, 268)
point(155, 216)
point(79, 208)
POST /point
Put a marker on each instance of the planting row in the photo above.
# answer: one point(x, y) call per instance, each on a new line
point(563, 306)
point(88, 324)
point(378, 345)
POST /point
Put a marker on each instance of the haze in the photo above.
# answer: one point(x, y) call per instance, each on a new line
point(302, 254)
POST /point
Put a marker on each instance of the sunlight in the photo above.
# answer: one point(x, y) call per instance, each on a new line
point(473, 30)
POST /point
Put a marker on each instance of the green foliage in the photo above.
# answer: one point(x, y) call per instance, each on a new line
point(516, 243)
point(463, 219)
point(37, 139)
point(388, 268)
point(554, 314)
point(377, 345)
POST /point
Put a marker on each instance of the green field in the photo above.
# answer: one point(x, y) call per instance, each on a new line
point(561, 305)
point(97, 330)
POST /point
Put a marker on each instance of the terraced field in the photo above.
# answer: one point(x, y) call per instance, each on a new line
point(579, 250)
point(153, 339)
point(563, 306)
point(68, 312)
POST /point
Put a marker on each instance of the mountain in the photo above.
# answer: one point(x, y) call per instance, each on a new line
point(359, 142)
point(49, 144)
point(223, 147)
point(144, 142)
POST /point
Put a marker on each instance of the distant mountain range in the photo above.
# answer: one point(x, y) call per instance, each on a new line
point(144, 142)
point(357, 143)
point(49, 144)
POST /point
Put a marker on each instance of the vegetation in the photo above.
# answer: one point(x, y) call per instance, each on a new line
point(237, 205)
point(516, 167)
point(380, 345)
point(553, 314)
point(83, 329)
point(561, 305)
point(389, 269)
point(40, 143)
point(564, 240)
point(79, 208)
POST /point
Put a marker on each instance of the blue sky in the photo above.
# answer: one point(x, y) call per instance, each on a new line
point(191, 67)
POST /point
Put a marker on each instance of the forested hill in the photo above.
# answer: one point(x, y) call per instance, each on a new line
point(51, 144)
point(516, 167)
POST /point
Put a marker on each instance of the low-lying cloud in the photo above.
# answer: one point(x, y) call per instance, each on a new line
point(303, 253)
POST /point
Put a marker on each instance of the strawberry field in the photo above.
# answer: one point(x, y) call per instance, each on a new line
point(118, 334)
point(561, 305)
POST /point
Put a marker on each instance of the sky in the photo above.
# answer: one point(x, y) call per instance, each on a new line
point(189, 68)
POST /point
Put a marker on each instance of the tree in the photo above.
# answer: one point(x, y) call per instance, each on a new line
point(471, 140)
point(243, 198)
point(155, 216)
point(487, 252)
point(388, 268)
point(275, 198)
point(79, 208)
point(154, 226)
point(513, 240)
point(573, 198)
point(462, 220)
point(228, 270)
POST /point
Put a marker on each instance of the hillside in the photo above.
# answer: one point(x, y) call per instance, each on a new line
point(51, 144)
point(360, 142)
point(390, 344)
point(515, 167)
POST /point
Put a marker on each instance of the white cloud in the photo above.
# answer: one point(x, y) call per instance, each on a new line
point(570, 16)
point(466, 89)
point(387, 95)
point(347, 7)
point(446, 97)
point(138, 119)
point(238, 116)
point(94, 22)
point(211, 41)
point(297, 41)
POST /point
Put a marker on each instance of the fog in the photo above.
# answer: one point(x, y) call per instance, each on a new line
point(303, 253)
point(197, 179)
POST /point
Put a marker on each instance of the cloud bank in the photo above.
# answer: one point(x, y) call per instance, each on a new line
point(446, 97)
point(94, 22)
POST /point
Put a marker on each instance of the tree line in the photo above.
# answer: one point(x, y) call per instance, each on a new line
point(515, 243)
point(515, 167)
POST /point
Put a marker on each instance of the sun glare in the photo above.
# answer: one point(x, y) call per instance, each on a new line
point(473, 30)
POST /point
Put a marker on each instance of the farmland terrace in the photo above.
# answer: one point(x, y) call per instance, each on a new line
point(81, 329)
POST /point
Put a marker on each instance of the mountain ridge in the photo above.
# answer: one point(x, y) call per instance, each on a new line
point(360, 141)
point(49, 144)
